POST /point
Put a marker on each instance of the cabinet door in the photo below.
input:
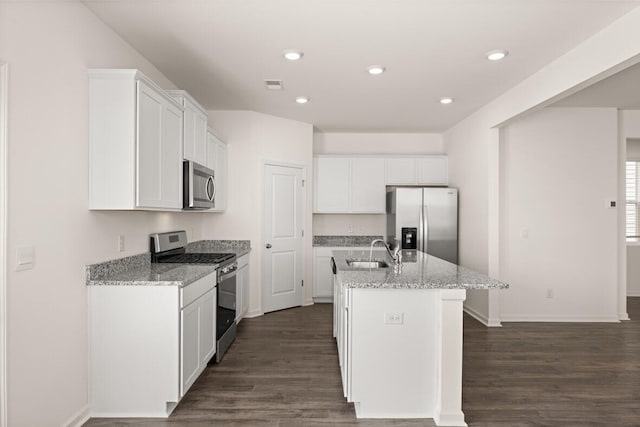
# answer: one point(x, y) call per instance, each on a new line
point(242, 289)
point(200, 137)
point(189, 346)
point(195, 133)
point(401, 171)
point(159, 164)
point(149, 147)
point(207, 327)
point(221, 176)
point(368, 193)
point(332, 185)
point(322, 277)
point(432, 171)
point(171, 192)
point(211, 151)
point(239, 291)
point(245, 289)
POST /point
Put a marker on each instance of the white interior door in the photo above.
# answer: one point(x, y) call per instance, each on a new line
point(283, 237)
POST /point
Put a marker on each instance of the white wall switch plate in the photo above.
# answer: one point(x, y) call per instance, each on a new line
point(25, 257)
point(394, 318)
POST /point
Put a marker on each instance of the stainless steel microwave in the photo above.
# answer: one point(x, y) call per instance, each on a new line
point(199, 186)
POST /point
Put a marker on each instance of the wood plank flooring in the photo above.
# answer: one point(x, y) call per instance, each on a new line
point(282, 371)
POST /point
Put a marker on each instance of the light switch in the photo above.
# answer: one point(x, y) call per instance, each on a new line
point(25, 257)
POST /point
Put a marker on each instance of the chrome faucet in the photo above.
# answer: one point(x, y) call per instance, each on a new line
point(396, 254)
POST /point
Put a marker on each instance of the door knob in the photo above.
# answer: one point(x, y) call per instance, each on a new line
point(268, 245)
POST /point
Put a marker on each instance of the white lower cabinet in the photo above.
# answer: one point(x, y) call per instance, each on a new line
point(323, 286)
point(147, 346)
point(197, 338)
point(242, 287)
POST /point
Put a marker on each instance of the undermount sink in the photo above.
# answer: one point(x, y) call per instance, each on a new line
point(354, 263)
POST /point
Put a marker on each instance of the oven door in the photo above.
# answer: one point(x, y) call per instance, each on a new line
point(199, 186)
point(226, 312)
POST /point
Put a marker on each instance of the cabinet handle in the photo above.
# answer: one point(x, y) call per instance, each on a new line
point(268, 245)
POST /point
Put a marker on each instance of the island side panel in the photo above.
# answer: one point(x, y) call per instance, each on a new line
point(448, 410)
point(392, 356)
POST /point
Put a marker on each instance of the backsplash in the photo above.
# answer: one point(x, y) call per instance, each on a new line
point(344, 240)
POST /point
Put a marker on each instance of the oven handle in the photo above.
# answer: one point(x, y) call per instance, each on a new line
point(226, 276)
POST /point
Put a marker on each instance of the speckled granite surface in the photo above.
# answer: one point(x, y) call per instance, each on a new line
point(419, 271)
point(137, 270)
point(239, 247)
point(153, 275)
point(344, 240)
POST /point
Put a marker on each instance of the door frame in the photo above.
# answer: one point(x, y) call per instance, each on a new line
point(4, 103)
point(263, 267)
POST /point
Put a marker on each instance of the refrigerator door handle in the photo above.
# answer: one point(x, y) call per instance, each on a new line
point(425, 221)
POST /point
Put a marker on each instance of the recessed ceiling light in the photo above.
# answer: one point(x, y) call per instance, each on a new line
point(376, 69)
point(302, 100)
point(446, 100)
point(497, 55)
point(293, 54)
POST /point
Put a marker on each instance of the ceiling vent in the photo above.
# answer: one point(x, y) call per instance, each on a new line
point(273, 84)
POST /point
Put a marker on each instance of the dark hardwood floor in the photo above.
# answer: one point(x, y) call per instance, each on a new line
point(282, 371)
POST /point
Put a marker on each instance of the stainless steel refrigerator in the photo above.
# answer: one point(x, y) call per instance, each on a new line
point(424, 219)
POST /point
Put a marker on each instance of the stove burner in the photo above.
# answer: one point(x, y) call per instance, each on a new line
point(197, 258)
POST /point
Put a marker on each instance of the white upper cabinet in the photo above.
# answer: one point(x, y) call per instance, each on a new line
point(195, 127)
point(357, 184)
point(368, 185)
point(332, 185)
point(432, 170)
point(349, 184)
point(217, 160)
point(135, 143)
point(401, 170)
point(417, 170)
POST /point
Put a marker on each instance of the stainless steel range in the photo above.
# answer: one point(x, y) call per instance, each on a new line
point(170, 248)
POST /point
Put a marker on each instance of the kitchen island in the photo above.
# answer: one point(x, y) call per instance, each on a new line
point(399, 334)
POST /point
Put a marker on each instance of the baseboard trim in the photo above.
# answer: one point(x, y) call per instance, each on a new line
point(561, 319)
point(633, 292)
point(254, 313)
point(323, 300)
point(308, 302)
point(490, 323)
point(79, 418)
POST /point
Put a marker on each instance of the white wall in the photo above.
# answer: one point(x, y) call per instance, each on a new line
point(377, 143)
point(49, 46)
point(557, 232)
point(367, 143)
point(475, 139)
point(253, 139)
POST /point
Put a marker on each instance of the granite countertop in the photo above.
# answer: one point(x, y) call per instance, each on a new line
point(154, 275)
point(419, 271)
point(343, 241)
point(138, 270)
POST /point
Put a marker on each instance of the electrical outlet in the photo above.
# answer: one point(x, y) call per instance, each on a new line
point(121, 243)
point(394, 318)
point(524, 233)
point(549, 293)
point(350, 229)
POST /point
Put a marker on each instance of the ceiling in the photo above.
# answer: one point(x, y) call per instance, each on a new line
point(221, 51)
